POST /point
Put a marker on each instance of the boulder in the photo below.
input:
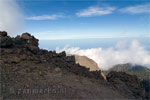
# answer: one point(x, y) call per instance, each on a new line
point(5, 41)
point(62, 54)
point(3, 33)
point(26, 36)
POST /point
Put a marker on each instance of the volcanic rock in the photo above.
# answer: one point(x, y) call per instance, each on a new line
point(3, 33)
point(5, 41)
point(130, 84)
point(28, 72)
point(85, 61)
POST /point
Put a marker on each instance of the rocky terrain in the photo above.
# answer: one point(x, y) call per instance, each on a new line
point(28, 72)
point(138, 70)
point(85, 61)
point(143, 73)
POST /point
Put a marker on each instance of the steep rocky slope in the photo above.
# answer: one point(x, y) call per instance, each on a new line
point(28, 72)
point(85, 61)
point(143, 73)
point(123, 81)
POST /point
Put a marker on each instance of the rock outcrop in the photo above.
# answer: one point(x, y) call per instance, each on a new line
point(88, 63)
point(28, 72)
point(85, 61)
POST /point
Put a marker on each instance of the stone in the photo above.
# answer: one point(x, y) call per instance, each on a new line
point(40, 73)
point(3, 33)
point(57, 69)
point(62, 54)
point(26, 36)
point(70, 59)
point(16, 59)
point(6, 42)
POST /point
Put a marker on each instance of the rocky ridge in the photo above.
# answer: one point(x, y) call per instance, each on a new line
point(25, 67)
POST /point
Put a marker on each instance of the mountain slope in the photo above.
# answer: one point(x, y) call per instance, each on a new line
point(141, 71)
point(88, 63)
point(28, 72)
point(85, 61)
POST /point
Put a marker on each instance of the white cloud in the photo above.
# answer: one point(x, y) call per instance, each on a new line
point(122, 53)
point(95, 11)
point(46, 17)
point(11, 18)
point(143, 8)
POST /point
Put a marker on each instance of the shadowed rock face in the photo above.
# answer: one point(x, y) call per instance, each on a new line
point(130, 84)
point(141, 72)
point(28, 72)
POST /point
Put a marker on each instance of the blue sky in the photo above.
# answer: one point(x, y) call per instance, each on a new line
point(63, 19)
point(103, 30)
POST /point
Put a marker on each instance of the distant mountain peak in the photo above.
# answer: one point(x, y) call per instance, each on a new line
point(141, 71)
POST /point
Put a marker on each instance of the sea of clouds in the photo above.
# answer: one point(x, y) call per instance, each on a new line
point(123, 52)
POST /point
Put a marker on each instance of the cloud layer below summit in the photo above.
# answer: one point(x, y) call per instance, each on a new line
point(122, 53)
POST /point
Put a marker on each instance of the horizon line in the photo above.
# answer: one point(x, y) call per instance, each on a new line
point(95, 38)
